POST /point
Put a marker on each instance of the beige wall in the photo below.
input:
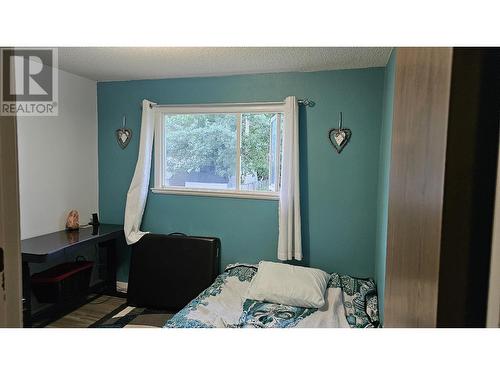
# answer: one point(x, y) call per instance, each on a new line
point(58, 160)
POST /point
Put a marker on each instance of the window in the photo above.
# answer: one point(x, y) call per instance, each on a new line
point(222, 150)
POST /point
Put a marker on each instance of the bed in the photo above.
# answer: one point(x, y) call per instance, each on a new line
point(350, 303)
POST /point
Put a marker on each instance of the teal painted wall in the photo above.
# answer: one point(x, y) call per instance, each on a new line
point(383, 181)
point(338, 192)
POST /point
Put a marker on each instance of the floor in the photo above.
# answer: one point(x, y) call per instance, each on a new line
point(89, 313)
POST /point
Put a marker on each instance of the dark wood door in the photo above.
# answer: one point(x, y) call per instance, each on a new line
point(469, 187)
point(442, 186)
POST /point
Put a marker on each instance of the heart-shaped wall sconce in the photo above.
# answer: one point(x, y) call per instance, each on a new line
point(339, 138)
point(123, 135)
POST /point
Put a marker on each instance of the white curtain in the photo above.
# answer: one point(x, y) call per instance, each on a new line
point(290, 239)
point(138, 190)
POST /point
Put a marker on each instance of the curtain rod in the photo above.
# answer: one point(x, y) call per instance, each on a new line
point(304, 102)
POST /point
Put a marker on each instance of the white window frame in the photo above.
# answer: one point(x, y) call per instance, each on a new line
point(161, 111)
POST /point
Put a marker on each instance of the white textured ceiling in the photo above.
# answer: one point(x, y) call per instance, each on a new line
point(120, 63)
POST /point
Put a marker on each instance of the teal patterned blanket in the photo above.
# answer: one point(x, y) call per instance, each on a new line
point(350, 302)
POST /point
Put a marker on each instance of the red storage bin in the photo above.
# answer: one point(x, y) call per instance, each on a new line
point(62, 282)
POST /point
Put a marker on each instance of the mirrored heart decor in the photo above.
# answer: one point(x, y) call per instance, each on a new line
point(123, 135)
point(340, 136)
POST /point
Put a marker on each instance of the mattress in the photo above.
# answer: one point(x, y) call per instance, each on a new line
point(350, 303)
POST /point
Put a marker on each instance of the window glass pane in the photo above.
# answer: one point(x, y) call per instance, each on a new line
point(200, 151)
point(259, 134)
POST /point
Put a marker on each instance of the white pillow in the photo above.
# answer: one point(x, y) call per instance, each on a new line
point(289, 285)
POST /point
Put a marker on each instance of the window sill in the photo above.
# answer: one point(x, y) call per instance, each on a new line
point(217, 193)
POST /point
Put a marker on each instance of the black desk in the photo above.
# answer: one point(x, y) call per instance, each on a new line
point(43, 248)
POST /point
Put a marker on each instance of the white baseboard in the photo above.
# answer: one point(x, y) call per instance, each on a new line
point(121, 287)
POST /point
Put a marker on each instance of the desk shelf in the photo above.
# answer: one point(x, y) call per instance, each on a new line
point(48, 247)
